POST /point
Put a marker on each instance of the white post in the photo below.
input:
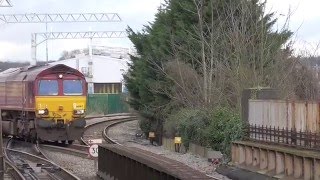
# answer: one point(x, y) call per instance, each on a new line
point(33, 50)
point(90, 64)
point(47, 56)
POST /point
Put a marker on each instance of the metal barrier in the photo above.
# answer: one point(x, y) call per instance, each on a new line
point(121, 163)
point(107, 103)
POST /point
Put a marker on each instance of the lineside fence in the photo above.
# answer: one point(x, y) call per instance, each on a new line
point(284, 136)
point(107, 103)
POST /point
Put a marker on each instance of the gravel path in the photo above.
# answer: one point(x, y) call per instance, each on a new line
point(81, 167)
point(125, 134)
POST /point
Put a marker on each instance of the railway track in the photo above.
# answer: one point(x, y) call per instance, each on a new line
point(79, 153)
point(26, 161)
point(109, 139)
point(33, 165)
point(27, 166)
point(99, 129)
point(81, 150)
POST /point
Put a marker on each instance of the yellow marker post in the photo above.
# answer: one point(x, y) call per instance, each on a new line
point(151, 137)
point(177, 144)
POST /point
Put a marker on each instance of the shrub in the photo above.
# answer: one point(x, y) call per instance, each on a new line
point(216, 128)
point(187, 123)
point(225, 126)
point(145, 125)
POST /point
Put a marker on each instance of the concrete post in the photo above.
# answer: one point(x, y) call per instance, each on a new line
point(248, 156)
point(288, 164)
point(279, 163)
point(256, 157)
point(307, 169)
point(297, 167)
point(263, 159)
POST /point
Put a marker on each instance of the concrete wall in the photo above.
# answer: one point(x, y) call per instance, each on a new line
point(276, 161)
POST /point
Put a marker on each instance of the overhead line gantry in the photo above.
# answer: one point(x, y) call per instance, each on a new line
point(60, 18)
point(5, 3)
point(57, 18)
point(38, 38)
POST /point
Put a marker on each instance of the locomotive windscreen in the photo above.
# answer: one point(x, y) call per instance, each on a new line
point(72, 87)
point(48, 87)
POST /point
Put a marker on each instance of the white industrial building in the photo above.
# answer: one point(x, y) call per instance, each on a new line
point(107, 71)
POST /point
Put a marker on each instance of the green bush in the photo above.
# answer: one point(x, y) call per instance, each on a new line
point(225, 126)
point(145, 125)
point(216, 128)
point(189, 124)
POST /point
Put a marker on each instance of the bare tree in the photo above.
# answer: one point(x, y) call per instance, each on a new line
point(237, 51)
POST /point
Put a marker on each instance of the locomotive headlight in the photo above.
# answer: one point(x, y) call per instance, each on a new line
point(43, 112)
point(78, 111)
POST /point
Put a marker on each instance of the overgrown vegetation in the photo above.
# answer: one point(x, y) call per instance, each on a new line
point(215, 128)
point(195, 59)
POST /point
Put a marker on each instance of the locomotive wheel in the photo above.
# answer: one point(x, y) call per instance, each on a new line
point(70, 142)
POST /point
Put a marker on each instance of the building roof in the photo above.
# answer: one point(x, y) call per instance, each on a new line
point(105, 69)
point(32, 72)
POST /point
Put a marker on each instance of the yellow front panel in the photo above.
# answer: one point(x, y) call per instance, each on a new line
point(60, 107)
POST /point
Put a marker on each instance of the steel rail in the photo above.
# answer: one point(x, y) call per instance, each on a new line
point(35, 158)
point(82, 151)
point(83, 141)
point(105, 130)
point(48, 159)
point(14, 171)
point(70, 175)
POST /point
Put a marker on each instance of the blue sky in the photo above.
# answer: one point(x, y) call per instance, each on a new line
point(15, 38)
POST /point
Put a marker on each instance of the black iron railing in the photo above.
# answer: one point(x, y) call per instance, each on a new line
point(284, 136)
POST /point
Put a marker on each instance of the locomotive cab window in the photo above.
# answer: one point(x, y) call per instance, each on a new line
point(72, 87)
point(48, 87)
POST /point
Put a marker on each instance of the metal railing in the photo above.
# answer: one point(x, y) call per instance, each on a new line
point(284, 136)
